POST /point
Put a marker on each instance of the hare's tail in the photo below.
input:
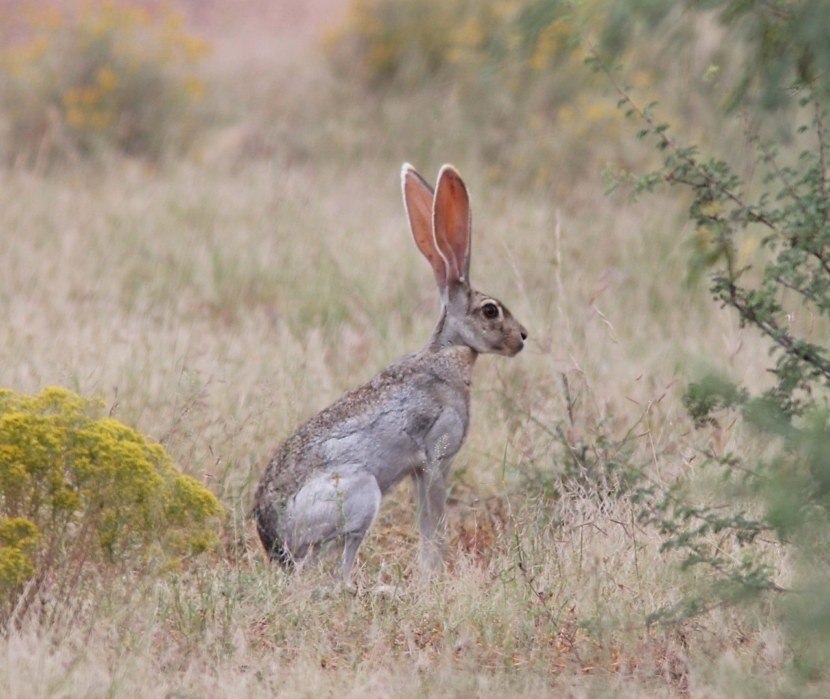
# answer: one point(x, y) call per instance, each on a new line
point(266, 525)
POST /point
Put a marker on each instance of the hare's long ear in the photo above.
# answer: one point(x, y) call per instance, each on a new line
point(417, 200)
point(451, 223)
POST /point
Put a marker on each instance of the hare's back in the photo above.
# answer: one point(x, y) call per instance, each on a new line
point(384, 426)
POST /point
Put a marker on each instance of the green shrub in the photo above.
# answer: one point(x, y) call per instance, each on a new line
point(770, 44)
point(77, 488)
point(105, 75)
point(767, 249)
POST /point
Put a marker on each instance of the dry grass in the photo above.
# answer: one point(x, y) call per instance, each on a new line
point(217, 302)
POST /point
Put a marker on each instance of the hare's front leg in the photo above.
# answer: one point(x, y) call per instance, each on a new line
point(432, 493)
point(443, 441)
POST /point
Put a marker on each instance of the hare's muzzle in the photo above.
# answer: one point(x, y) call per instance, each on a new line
point(516, 341)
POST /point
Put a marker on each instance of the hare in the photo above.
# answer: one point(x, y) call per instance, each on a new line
point(327, 480)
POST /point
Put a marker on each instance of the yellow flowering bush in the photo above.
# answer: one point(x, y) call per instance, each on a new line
point(77, 487)
point(514, 67)
point(412, 41)
point(18, 540)
point(107, 73)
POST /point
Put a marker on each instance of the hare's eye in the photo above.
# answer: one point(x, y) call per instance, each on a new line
point(490, 311)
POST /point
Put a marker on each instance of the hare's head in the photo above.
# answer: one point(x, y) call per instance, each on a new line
point(440, 222)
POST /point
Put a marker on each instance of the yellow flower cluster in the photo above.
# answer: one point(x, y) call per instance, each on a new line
point(74, 482)
point(18, 541)
point(91, 106)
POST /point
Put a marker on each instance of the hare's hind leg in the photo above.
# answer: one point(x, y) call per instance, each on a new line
point(342, 503)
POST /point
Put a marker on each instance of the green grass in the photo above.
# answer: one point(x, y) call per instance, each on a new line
point(219, 300)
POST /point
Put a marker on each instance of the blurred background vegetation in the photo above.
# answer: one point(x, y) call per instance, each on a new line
point(209, 181)
point(80, 78)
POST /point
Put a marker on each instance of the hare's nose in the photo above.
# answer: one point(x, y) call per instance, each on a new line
point(523, 333)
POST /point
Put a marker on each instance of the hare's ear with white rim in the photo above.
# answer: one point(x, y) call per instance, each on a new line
point(417, 200)
point(452, 222)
